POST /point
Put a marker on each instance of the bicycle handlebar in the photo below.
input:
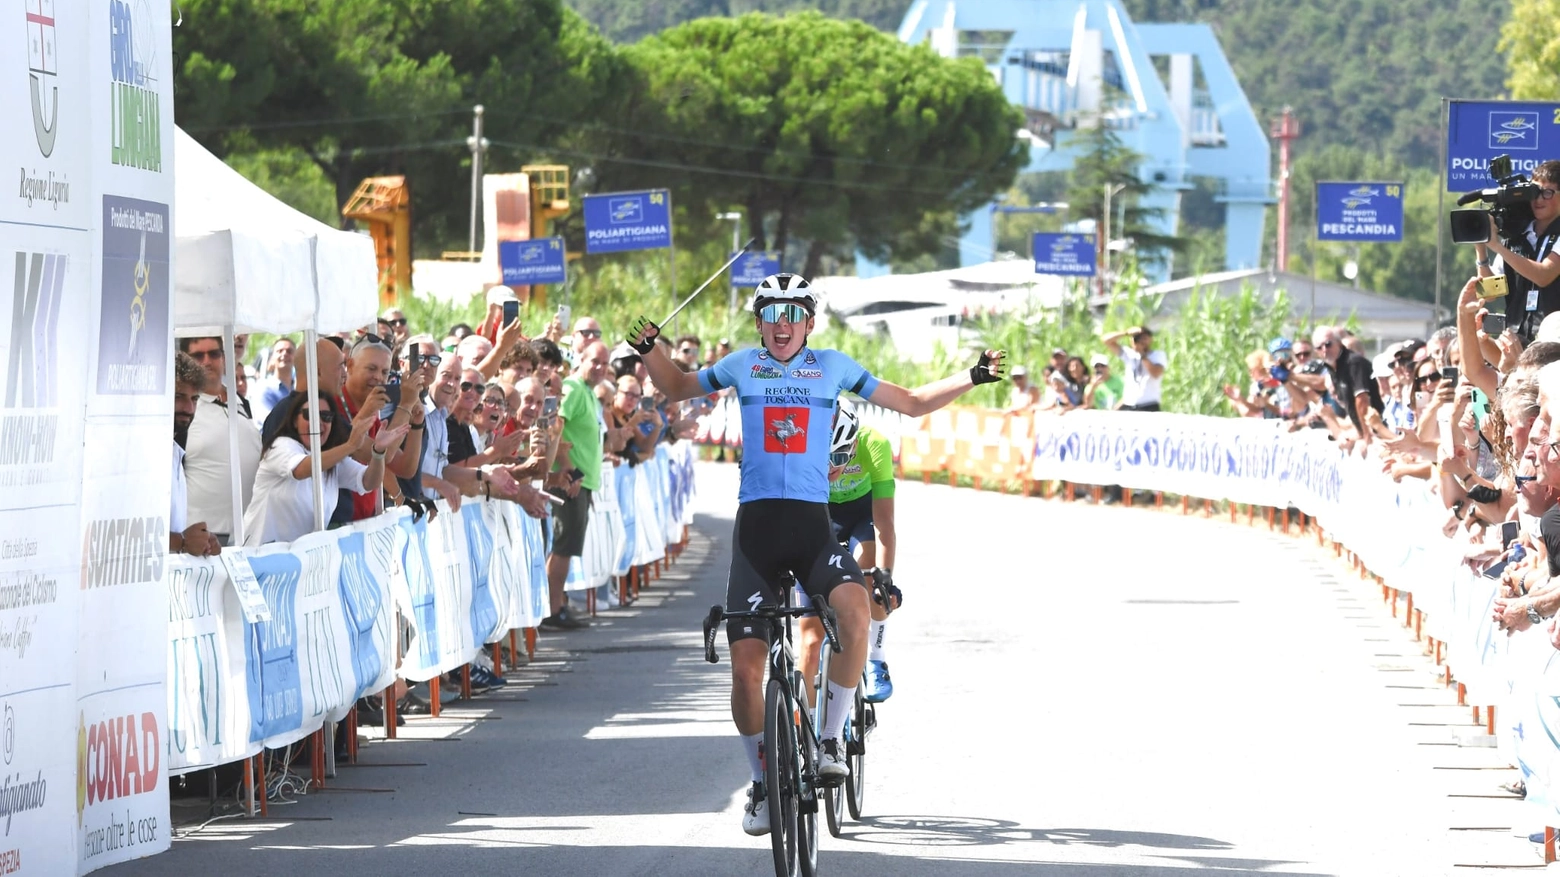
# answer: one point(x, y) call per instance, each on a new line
point(718, 614)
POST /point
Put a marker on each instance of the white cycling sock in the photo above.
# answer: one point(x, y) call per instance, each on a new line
point(875, 637)
point(753, 744)
point(840, 701)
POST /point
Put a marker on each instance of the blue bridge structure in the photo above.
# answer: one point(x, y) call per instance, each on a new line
point(1167, 90)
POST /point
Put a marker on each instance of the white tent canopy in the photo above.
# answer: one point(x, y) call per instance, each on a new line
point(246, 260)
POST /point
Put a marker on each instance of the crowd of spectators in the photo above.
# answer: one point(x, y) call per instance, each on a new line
point(406, 419)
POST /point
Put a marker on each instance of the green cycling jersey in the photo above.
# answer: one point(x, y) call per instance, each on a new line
point(871, 468)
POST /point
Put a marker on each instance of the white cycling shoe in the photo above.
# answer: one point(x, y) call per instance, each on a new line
point(755, 813)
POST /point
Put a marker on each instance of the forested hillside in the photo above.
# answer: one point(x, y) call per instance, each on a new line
point(1360, 73)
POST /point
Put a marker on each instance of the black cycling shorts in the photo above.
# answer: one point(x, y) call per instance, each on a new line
point(853, 520)
point(772, 540)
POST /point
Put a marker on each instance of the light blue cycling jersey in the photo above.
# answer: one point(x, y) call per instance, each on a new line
point(791, 405)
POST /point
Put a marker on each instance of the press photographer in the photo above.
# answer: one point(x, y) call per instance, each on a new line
point(1521, 230)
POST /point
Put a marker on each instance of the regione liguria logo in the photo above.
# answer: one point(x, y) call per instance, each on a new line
point(43, 71)
point(785, 430)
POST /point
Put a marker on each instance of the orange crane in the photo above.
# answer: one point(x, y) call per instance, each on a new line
point(385, 205)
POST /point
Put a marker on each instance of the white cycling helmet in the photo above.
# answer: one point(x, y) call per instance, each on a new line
point(781, 288)
point(846, 425)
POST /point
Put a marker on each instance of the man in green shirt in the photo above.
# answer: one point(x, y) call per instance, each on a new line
point(1104, 387)
point(861, 507)
point(580, 412)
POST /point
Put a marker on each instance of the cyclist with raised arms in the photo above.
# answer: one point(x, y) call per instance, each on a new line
point(861, 505)
point(787, 393)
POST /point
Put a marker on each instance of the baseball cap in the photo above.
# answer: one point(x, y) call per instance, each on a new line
point(500, 294)
point(1019, 371)
point(1381, 366)
point(1098, 359)
point(1278, 344)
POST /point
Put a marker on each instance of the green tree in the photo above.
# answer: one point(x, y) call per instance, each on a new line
point(828, 132)
point(370, 88)
point(1528, 38)
point(627, 22)
point(1104, 161)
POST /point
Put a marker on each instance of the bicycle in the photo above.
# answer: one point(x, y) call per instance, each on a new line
point(790, 756)
point(859, 726)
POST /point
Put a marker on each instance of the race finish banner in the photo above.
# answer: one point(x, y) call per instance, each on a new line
point(752, 268)
point(1477, 131)
point(529, 262)
point(619, 222)
point(1069, 255)
point(1370, 212)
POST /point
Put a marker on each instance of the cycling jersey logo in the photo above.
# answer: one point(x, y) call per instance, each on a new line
point(809, 359)
point(807, 373)
point(767, 372)
point(785, 430)
point(835, 562)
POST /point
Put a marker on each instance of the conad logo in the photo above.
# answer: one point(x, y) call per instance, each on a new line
point(115, 758)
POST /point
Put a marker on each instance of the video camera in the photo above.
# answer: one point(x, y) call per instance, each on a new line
point(1511, 204)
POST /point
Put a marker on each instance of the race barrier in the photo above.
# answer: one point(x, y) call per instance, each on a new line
point(347, 611)
point(1391, 531)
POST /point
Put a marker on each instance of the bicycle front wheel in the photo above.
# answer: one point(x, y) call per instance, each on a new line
point(781, 777)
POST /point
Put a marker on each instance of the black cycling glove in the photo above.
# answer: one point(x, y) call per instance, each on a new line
point(989, 369)
point(643, 326)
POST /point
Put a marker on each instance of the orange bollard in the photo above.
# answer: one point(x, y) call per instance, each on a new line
point(513, 650)
point(1207, 508)
point(1045, 490)
point(530, 642)
point(352, 741)
point(1462, 693)
point(1184, 501)
point(1251, 514)
point(1549, 845)
point(249, 786)
point(1286, 521)
point(1476, 719)
point(1067, 491)
point(1232, 513)
point(1394, 601)
point(465, 682)
point(622, 583)
point(317, 759)
point(926, 476)
point(1159, 500)
point(590, 602)
point(1126, 496)
point(388, 696)
point(498, 659)
point(1270, 517)
point(1489, 720)
point(433, 697)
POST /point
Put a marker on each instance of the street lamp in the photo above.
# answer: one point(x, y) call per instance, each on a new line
point(1110, 192)
point(736, 242)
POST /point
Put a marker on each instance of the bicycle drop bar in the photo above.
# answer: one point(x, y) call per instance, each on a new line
point(711, 628)
point(830, 630)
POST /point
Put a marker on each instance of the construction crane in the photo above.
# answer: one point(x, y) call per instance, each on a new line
point(385, 204)
point(549, 187)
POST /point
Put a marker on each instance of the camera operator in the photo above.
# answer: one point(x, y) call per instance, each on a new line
point(1532, 265)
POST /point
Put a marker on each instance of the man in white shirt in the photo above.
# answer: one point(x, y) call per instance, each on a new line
point(208, 458)
point(1145, 368)
point(184, 537)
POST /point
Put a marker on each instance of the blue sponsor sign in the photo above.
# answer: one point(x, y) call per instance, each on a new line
point(1359, 211)
point(1477, 131)
point(273, 680)
point(527, 262)
point(752, 268)
point(1070, 255)
point(479, 547)
point(362, 604)
point(623, 221)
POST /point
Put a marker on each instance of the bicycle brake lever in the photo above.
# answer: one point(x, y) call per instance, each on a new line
point(830, 628)
point(711, 626)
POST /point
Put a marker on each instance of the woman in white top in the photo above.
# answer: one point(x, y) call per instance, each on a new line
point(283, 506)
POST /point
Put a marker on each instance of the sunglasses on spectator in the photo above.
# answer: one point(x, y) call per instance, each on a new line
point(369, 339)
point(199, 355)
point(325, 416)
point(432, 359)
point(1432, 378)
point(1302, 355)
point(589, 333)
point(400, 322)
point(783, 312)
point(468, 386)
